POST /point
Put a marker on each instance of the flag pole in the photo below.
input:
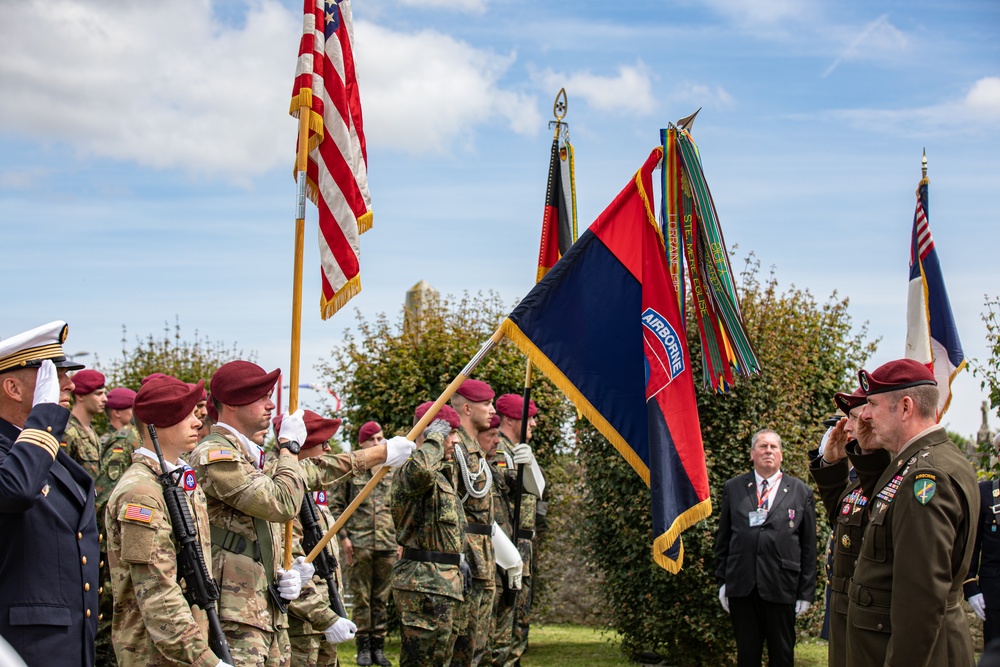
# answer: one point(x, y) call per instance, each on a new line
point(417, 429)
point(300, 235)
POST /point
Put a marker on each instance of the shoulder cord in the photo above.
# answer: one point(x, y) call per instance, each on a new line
point(469, 480)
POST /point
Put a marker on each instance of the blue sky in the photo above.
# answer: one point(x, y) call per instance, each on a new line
point(146, 152)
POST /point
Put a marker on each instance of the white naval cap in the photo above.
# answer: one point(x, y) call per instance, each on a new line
point(29, 349)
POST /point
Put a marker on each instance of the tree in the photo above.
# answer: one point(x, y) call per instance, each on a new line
point(989, 376)
point(809, 351)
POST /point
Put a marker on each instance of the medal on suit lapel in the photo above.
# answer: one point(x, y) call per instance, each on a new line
point(791, 518)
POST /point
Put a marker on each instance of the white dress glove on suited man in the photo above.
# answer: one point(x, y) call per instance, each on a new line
point(802, 606)
point(46, 384)
point(978, 604)
point(723, 598)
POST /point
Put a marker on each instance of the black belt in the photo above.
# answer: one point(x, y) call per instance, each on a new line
point(442, 557)
point(479, 529)
point(524, 534)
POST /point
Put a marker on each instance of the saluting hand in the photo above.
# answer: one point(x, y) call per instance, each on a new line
point(46, 384)
point(836, 444)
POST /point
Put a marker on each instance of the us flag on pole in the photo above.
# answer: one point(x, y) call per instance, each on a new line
point(931, 335)
point(337, 173)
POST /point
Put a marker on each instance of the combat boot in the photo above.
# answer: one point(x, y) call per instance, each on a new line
point(364, 650)
point(378, 657)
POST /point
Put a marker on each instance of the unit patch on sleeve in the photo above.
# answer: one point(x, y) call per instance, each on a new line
point(924, 487)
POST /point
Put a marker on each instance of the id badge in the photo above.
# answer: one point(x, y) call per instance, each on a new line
point(757, 517)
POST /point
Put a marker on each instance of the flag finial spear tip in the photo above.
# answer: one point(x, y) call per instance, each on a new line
point(923, 164)
point(686, 122)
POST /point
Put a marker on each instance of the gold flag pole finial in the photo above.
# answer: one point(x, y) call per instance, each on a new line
point(559, 109)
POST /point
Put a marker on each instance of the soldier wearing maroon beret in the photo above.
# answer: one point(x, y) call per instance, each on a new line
point(905, 598)
point(846, 469)
point(81, 441)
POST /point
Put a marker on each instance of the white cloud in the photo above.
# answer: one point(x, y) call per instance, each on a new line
point(471, 6)
point(422, 92)
point(876, 40)
point(984, 97)
point(701, 95)
point(760, 13)
point(630, 92)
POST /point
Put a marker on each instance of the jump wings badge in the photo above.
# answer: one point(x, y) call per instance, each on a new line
point(924, 488)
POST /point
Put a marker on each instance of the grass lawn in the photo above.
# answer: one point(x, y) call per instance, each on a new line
point(578, 646)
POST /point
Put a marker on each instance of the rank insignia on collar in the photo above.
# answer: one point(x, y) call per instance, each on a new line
point(924, 490)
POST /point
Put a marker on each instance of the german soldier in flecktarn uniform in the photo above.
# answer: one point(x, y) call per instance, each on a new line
point(905, 600)
point(846, 494)
point(314, 628)
point(248, 502)
point(429, 580)
point(117, 446)
point(81, 441)
point(153, 622)
point(368, 542)
point(49, 553)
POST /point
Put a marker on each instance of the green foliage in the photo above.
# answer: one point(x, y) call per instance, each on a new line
point(186, 360)
point(989, 376)
point(809, 350)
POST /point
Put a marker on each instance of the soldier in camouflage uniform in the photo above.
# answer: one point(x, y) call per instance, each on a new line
point(153, 623)
point(507, 653)
point(117, 447)
point(313, 627)
point(368, 543)
point(503, 511)
point(248, 502)
point(80, 440)
point(428, 580)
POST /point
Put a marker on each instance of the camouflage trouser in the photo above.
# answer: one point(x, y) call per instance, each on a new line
point(524, 599)
point(368, 581)
point(253, 647)
point(310, 650)
point(475, 623)
point(105, 610)
point(427, 627)
point(501, 635)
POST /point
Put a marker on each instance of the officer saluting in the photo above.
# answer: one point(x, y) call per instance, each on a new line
point(49, 553)
point(905, 599)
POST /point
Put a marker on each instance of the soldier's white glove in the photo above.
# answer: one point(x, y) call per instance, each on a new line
point(514, 575)
point(304, 569)
point(397, 450)
point(723, 598)
point(293, 427)
point(522, 454)
point(46, 384)
point(801, 607)
point(289, 584)
point(340, 631)
point(223, 663)
point(978, 605)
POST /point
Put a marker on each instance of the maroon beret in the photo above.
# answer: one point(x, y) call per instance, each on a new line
point(476, 391)
point(447, 413)
point(120, 398)
point(87, 381)
point(367, 430)
point(898, 374)
point(495, 421)
point(242, 383)
point(512, 405)
point(319, 429)
point(847, 402)
point(165, 401)
point(152, 376)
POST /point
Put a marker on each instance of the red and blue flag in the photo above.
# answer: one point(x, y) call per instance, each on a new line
point(604, 325)
point(931, 334)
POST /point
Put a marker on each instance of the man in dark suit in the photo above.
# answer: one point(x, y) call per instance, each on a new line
point(49, 554)
point(982, 587)
point(765, 555)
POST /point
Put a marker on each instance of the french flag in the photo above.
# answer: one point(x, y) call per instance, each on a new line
point(931, 335)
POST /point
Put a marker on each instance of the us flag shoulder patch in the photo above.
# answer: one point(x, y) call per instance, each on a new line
point(137, 512)
point(220, 455)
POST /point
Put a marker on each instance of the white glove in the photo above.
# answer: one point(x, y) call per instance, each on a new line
point(514, 575)
point(978, 605)
point(289, 584)
point(801, 607)
point(340, 631)
point(398, 450)
point(293, 427)
point(223, 663)
point(305, 570)
point(46, 384)
point(522, 454)
point(723, 598)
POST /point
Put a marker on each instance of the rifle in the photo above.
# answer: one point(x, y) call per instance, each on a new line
point(325, 562)
point(201, 589)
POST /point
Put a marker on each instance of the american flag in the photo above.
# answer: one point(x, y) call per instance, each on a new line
point(138, 513)
point(337, 172)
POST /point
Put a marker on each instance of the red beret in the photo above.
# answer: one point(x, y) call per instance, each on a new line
point(512, 405)
point(447, 413)
point(476, 391)
point(847, 402)
point(152, 376)
point(495, 421)
point(87, 381)
point(319, 429)
point(242, 383)
point(166, 401)
point(898, 374)
point(120, 398)
point(367, 430)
